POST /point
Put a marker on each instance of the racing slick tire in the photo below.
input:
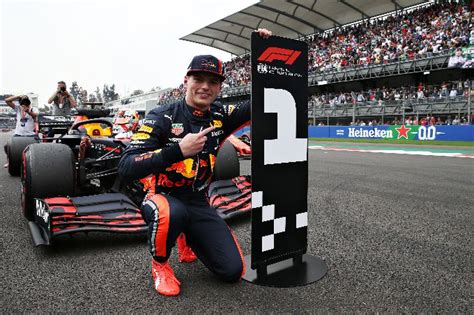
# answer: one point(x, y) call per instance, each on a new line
point(47, 171)
point(15, 149)
point(227, 163)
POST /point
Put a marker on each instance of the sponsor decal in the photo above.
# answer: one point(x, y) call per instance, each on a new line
point(104, 147)
point(184, 168)
point(412, 132)
point(198, 113)
point(268, 69)
point(143, 156)
point(230, 109)
point(168, 116)
point(177, 129)
point(140, 136)
point(396, 132)
point(164, 181)
point(212, 160)
point(427, 133)
point(374, 133)
point(59, 118)
point(42, 210)
point(98, 146)
point(217, 133)
point(146, 129)
point(208, 64)
point(175, 140)
point(188, 167)
point(217, 123)
point(149, 121)
point(402, 132)
point(275, 53)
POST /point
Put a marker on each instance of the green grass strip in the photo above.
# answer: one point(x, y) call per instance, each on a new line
point(417, 142)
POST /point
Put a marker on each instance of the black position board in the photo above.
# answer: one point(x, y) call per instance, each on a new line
point(279, 149)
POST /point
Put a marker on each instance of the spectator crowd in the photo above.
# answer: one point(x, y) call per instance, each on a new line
point(420, 33)
point(451, 90)
point(428, 120)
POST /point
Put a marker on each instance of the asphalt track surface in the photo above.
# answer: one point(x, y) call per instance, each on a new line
point(395, 231)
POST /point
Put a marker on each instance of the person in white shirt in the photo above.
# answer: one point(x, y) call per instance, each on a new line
point(453, 93)
point(25, 117)
point(420, 94)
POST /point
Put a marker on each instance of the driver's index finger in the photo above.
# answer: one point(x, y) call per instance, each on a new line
point(206, 131)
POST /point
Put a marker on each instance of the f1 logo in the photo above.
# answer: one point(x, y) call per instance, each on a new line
point(275, 53)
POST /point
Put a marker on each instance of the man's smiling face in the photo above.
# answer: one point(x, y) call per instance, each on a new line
point(201, 89)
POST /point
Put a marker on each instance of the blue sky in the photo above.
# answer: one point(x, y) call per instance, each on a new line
point(134, 44)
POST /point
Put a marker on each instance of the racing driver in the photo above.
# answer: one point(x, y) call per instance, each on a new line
point(177, 145)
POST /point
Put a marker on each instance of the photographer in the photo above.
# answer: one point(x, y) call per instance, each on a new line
point(63, 100)
point(25, 117)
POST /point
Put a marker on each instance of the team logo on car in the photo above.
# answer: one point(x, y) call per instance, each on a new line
point(177, 129)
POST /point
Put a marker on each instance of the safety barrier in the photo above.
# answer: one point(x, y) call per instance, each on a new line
point(395, 132)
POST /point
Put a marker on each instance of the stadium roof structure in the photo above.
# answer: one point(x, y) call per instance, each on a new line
point(290, 18)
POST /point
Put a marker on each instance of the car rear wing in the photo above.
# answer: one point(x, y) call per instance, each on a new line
point(55, 121)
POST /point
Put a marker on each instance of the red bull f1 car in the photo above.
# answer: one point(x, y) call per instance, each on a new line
point(58, 125)
point(71, 185)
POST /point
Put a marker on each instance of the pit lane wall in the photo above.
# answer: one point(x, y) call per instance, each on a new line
point(395, 132)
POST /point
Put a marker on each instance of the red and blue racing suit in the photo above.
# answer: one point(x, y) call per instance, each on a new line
point(178, 202)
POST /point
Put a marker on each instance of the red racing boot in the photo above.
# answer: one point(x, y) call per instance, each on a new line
point(185, 253)
point(164, 279)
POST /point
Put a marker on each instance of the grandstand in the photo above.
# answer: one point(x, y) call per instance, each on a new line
point(400, 56)
point(141, 103)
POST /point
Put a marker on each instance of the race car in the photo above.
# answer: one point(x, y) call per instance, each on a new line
point(57, 125)
point(68, 185)
point(94, 129)
point(71, 185)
